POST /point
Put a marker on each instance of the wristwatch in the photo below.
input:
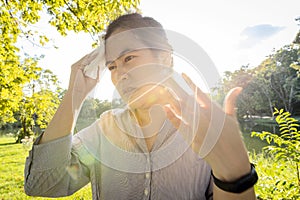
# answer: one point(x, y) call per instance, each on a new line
point(240, 185)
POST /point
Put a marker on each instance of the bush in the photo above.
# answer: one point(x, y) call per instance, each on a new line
point(277, 178)
point(278, 165)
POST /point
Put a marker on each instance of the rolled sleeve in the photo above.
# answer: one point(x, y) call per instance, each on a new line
point(48, 167)
point(42, 154)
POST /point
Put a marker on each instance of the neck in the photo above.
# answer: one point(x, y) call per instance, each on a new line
point(142, 116)
point(152, 117)
point(150, 121)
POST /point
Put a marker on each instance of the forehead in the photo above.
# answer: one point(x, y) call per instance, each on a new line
point(119, 44)
point(131, 40)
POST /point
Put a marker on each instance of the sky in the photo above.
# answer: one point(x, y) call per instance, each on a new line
point(232, 32)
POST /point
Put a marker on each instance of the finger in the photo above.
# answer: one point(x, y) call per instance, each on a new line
point(98, 75)
point(171, 116)
point(230, 101)
point(174, 117)
point(174, 100)
point(79, 65)
point(202, 98)
point(85, 60)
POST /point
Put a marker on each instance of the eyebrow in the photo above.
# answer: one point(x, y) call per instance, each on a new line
point(120, 54)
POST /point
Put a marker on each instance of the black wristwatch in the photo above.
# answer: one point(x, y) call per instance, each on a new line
point(240, 185)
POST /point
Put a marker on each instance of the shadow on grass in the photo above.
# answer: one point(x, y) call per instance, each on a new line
point(7, 144)
point(6, 141)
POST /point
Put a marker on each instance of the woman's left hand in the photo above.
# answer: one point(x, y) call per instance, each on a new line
point(227, 156)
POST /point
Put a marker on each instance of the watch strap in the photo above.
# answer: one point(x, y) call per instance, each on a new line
point(240, 185)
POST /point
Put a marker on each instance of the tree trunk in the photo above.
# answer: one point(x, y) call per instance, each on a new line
point(290, 99)
point(23, 131)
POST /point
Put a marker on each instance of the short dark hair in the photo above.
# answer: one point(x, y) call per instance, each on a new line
point(135, 21)
point(131, 21)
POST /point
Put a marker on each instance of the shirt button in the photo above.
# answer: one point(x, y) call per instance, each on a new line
point(147, 175)
point(146, 192)
point(148, 160)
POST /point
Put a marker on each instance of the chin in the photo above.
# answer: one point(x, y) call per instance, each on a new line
point(142, 98)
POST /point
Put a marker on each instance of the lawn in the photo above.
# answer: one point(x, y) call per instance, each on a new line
point(12, 157)
point(278, 179)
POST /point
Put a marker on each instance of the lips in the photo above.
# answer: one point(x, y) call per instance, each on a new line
point(126, 92)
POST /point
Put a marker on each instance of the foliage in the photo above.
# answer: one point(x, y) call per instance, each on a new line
point(90, 16)
point(284, 148)
point(16, 26)
point(39, 103)
point(284, 81)
point(240, 77)
point(274, 83)
point(11, 176)
point(297, 38)
point(91, 110)
point(277, 180)
point(296, 65)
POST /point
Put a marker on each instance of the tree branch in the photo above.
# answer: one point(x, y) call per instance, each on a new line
point(82, 23)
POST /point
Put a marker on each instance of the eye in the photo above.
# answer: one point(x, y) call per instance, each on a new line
point(128, 58)
point(112, 67)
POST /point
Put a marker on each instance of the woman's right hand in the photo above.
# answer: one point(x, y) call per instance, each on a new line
point(81, 85)
point(65, 117)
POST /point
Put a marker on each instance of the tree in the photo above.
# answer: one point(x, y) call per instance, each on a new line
point(241, 77)
point(297, 38)
point(39, 103)
point(284, 80)
point(16, 20)
point(261, 85)
point(296, 45)
point(92, 108)
point(274, 83)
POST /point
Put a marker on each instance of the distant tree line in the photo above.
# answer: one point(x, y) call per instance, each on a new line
point(273, 83)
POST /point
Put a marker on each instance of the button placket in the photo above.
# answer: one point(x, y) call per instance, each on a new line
point(146, 192)
point(147, 177)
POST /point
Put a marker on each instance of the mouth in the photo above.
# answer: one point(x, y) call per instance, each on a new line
point(127, 92)
point(133, 94)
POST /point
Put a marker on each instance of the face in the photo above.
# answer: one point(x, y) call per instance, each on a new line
point(121, 67)
point(136, 73)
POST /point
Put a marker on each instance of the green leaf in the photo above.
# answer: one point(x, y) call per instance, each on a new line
point(18, 18)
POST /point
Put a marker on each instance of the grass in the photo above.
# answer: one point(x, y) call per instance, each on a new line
point(12, 158)
point(253, 144)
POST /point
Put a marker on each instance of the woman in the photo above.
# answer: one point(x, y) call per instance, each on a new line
point(151, 149)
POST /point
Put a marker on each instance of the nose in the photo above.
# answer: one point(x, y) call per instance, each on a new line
point(122, 73)
point(124, 76)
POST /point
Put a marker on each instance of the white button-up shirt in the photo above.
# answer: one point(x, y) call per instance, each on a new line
point(111, 155)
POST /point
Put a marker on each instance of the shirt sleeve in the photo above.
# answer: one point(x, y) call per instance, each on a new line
point(54, 169)
point(209, 190)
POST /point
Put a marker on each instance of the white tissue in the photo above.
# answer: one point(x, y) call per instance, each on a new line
point(97, 65)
